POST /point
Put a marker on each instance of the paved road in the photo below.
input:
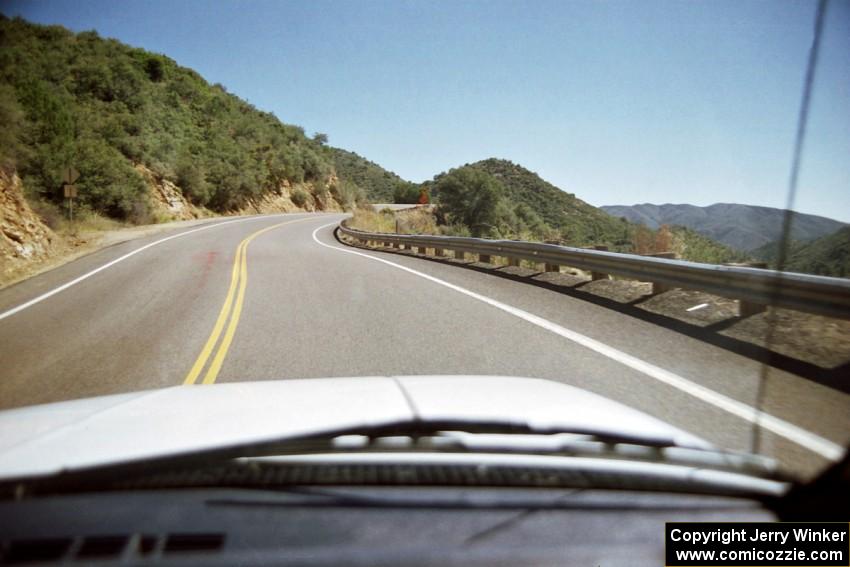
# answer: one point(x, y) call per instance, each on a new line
point(306, 306)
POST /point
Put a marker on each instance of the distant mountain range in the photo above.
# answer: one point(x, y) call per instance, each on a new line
point(742, 227)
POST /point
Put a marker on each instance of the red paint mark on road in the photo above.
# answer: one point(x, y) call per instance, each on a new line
point(206, 260)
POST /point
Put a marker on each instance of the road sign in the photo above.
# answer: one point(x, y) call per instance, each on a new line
point(70, 191)
point(69, 175)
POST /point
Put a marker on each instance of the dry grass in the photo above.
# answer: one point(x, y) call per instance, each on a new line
point(56, 218)
point(410, 221)
point(93, 222)
point(371, 221)
point(417, 221)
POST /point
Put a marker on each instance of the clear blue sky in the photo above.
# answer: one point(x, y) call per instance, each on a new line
point(619, 102)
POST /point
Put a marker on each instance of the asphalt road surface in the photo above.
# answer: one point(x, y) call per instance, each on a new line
point(277, 297)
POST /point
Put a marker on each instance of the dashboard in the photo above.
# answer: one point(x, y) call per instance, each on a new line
point(355, 525)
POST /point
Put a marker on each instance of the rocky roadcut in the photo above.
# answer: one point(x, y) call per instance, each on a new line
point(24, 238)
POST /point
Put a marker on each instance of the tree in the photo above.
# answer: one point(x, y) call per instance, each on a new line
point(154, 68)
point(190, 179)
point(663, 239)
point(108, 183)
point(642, 240)
point(470, 197)
point(320, 138)
point(13, 121)
point(406, 193)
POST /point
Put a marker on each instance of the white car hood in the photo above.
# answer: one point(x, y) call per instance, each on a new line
point(65, 436)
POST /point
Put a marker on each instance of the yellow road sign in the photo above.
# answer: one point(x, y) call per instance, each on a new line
point(69, 175)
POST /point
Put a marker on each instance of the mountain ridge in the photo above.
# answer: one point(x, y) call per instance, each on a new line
point(742, 227)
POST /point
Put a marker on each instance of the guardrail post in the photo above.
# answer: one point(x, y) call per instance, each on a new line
point(594, 276)
point(460, 255)
point(438, 252)
point(484, 258)
point(513, 261)
point(422, 250)
point(657, 287)
point(746, 308)
point(547, 267)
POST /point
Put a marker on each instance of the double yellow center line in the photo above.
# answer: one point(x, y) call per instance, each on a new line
point(232, 308)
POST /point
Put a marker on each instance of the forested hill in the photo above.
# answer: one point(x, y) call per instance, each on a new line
point(496, 197)
point(102, 106)
point(825, 256)
point(572, 216)
point(379, 185)
point(572, 219)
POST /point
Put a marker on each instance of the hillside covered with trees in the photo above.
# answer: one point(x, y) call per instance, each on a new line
point(527, 203)
point(378, 184)
point(500, 199)
point(825, 256)
point(102, 106)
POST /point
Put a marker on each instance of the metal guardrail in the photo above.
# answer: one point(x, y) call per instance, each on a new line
point(755, 288)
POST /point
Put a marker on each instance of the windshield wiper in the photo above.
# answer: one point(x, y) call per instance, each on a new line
point(406, 436)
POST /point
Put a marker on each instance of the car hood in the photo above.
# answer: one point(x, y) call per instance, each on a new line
point(78, 434)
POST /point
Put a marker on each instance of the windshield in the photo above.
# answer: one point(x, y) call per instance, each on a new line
point(646, 202)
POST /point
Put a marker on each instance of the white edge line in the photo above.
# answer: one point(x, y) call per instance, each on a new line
point(806, 439)
point(695, 307)
point(87, 275)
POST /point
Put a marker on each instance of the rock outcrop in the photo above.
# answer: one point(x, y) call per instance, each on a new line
point(281, 201)
point(166, 199)
point(24, 238)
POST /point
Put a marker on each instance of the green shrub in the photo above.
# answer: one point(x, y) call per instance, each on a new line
point(299, 197)
point(471, 198)
point(406, 193)
point(108, 183)
point(190, 179)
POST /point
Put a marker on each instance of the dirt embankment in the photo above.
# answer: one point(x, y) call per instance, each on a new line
point(29, 246)
point(24, 239)
point(289, 198)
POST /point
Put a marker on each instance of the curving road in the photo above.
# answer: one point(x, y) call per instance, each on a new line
point(277, 297)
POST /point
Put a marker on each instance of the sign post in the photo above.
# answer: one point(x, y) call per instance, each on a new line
point(69, 175)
